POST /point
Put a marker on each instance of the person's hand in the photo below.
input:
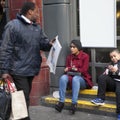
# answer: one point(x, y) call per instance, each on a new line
point(52, 41)
point(74, 68)
point(115, 69)
point(106, 72)
point(66, 69)
point(6, 76)
point(112, 68)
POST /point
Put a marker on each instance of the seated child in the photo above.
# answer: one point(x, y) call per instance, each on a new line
point(110, 81)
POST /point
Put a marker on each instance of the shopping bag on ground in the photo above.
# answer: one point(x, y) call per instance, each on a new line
point(19, 108)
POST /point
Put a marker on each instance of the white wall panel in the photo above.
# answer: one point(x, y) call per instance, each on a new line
point(98, 23)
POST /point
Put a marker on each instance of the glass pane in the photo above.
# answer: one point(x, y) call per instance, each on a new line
point(99, 71)
point(118, 18)
point(78, 27)
point(102, 55)
point(88, 51)
point(2, 17)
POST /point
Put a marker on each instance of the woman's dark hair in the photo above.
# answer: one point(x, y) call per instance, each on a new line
point(77, 43)
point(27, 6)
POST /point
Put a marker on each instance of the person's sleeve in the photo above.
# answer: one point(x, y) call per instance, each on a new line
point(44, 42)
point(6, 49)
point(118, 72)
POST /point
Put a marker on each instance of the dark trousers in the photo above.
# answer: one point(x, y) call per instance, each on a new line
point(106, 83)
point(24, 83)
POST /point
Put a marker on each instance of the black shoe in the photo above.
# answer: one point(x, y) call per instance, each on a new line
point(59, 106)
point(73, 108)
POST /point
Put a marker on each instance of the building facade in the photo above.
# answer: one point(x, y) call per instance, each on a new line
point(61, 18)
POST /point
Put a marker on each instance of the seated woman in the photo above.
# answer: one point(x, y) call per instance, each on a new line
point(76, 74)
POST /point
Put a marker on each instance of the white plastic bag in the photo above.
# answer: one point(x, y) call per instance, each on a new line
point(19, 108)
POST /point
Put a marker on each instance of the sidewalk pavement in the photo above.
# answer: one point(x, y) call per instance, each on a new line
point(49, 113)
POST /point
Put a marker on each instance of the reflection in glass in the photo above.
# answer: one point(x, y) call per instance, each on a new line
point(102, 55)
point(78, 24)
point(2, 17)
point(118, 18)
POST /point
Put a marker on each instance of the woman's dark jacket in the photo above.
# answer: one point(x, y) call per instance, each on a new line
point(20, 49)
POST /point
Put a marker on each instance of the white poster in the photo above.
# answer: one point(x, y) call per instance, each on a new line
point(53, 55)
point(97, 23)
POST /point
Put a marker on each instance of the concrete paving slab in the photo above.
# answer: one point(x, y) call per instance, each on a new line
point(49, 113)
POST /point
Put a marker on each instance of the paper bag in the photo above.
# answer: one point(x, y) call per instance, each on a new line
point(19, 108)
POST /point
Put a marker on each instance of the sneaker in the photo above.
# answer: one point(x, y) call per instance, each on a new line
point(73, 108)
point(118, 117)
point(98, 101)
point(59, 106)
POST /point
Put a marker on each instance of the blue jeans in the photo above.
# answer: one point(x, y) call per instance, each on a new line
point(77, 83)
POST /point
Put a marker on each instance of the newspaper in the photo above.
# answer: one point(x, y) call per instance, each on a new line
point(53, 55)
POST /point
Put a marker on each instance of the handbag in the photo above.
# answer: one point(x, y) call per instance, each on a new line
point(73, 73)
point(5, 101)
point(18, 103)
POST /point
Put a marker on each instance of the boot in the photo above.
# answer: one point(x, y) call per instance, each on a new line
point(73, 108)
point(59, 106)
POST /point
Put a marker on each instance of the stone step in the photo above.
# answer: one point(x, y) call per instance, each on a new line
point(92, 93)
point(84, 103)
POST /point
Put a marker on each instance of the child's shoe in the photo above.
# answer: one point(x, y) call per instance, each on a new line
point(118, 117)
point(98, 101)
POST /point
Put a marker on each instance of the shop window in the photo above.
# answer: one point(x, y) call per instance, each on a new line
point(118, 18)
point(102, 55)
point(78, 24)
point(99, 57)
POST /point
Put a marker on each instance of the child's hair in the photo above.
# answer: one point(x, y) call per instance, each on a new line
point(115, 50)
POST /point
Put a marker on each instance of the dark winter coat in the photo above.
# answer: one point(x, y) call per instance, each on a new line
point(20, 49)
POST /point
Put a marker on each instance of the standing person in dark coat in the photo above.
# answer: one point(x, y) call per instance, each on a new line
point(20, 57)
point(76, 75)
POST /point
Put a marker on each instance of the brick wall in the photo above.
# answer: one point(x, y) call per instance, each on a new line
point(40, 86)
